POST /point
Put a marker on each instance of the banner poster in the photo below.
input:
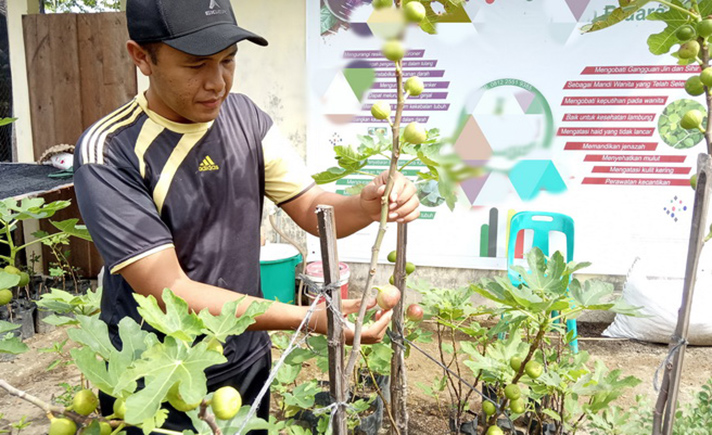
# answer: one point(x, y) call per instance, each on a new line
point(581, 124)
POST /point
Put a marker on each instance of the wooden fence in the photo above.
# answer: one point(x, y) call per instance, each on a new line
point(78, 70)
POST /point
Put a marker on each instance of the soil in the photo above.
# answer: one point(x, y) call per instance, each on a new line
point(28, 372)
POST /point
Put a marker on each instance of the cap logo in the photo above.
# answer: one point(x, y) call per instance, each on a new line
point(213, 11)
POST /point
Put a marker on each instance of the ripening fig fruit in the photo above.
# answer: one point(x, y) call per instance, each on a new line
point(689, 50)
point(120, 409)
point(685, 33)
point(693, 181)
point(704, 28)
point(414, 11)
point(380, 4)
point(62, 426)
point(495, 430)
point(226, 402)
point(414, 313)
point(691, 119)
point(5, 297)
point(105, 428)
point(488, 407)
point(515, 363)
point(85, 402)
point(706, 77)
point(392, 280)
point(415, 133)
point(381, 110)
point(176, 400)
point(393, 50)
point(409, 268)
point(388, 296)
point(215, 345)
point(512, 392)
point(414, 85)
point(533, 369)
point(24, 279)
point(517, 406)
point(12, 269)
point(392, 256)
point(694, 86)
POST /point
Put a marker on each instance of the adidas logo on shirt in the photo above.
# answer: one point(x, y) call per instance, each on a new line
point(208, 165)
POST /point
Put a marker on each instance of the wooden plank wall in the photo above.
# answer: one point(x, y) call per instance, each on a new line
point(78, 70)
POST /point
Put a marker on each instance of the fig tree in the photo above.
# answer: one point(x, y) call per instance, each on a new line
point(393, 50)
point(12, 269)
point(105, 428)
point(414, 85)
point(381, 110)
point(5, 297)
point(62, 426)
point(694, 86)
point(392, 256)
point(415, 133)
point(414, 313)
point(704, 28)
point(515, 363)
point(706, 77)
point(693, 181)
point(494, 430)
point(120, 409)
point(380, 4)
point(414, 11)
point(176, 400)
point(685, 33)
point(226, 403)
point(517, 406)
point(488, 407)
point(24, 279)
point(388, 296)
point(85, 402)
point(512, 392)
point(409, 267)
point(533, 369)
point(392, 280)
point(689, 50)
point(691, 119)
point(215, 345)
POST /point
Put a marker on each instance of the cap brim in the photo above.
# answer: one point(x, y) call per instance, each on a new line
point(213, 39)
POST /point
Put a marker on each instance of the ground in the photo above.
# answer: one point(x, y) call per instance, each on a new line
point(28, 372)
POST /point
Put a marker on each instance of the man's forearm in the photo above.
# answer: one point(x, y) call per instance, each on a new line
point(349, 215)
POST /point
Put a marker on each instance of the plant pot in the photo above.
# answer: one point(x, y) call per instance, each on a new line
point(42, 327)
point(369, 425)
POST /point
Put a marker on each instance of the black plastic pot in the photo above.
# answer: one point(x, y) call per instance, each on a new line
point(369, 425)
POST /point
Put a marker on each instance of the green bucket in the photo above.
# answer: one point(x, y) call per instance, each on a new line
point(277, 263)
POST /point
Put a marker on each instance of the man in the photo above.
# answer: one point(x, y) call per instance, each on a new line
point(171, 187)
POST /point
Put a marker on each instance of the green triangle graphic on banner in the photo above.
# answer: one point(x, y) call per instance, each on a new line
point(536, 107)
point(360, 80)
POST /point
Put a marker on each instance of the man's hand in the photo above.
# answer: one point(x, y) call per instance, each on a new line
point(372, 334)
point(403, 201)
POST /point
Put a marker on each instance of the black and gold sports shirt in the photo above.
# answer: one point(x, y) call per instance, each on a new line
point(145, 183)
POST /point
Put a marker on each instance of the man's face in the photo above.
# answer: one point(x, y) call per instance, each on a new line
point(186, 88)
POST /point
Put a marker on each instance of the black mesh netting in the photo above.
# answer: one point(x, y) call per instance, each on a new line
point(5, 93)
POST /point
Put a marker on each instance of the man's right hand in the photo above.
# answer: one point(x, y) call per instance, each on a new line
point(372, 334)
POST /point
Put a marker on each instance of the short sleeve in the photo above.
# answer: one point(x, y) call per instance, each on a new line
point(119, 214)
point(286, 175)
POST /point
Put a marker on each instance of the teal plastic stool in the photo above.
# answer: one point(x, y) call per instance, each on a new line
point(542, 224)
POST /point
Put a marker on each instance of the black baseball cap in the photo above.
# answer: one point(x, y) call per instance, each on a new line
point(197, 27)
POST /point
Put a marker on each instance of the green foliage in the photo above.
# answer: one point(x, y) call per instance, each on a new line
point(9, 343)
point(84, 6)
point(65, 306)
point(625, 9)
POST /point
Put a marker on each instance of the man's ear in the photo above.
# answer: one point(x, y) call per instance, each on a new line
point(140, 57)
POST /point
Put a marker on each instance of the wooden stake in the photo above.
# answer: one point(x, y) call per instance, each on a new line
point(335, 331)
point(399, 380)
point(667, 398)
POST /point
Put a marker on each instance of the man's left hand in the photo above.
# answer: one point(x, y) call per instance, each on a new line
point(403, 201)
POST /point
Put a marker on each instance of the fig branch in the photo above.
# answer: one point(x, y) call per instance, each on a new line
point(393, 168)
point(208, 418)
